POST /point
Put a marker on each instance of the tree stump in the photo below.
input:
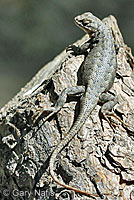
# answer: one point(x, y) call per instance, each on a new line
point(99, 159)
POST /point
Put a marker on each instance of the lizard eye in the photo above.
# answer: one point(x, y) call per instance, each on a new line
point(86, 22)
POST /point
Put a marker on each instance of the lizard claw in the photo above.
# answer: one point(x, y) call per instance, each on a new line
point(74, 50)
point(37, 117)
point(110, 114)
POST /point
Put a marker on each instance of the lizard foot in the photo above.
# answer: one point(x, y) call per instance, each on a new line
point(42, 113)
point(110, 114)
point(40, 116)
point(111, 124)
point(75, 50)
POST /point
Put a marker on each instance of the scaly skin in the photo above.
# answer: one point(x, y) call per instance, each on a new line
point(98, 75)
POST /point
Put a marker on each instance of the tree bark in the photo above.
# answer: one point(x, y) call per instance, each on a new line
point(99, 159)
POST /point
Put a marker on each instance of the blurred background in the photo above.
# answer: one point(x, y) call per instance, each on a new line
point(33, 32)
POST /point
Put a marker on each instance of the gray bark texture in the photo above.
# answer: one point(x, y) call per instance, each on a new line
point(99, 159)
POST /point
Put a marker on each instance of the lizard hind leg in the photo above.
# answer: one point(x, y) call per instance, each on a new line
point(73, 91)
point(108, 101)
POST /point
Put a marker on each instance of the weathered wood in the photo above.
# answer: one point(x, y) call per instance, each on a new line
point(96, 160)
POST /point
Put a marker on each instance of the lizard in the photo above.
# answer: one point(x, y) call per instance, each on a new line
point(98, 74)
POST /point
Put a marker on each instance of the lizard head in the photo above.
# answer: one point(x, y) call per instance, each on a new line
point(88, 22)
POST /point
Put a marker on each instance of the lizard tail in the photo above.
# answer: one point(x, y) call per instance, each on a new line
point(64, 185)
point(84, 113)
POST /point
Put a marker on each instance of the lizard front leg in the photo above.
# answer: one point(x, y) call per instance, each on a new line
point(84, 48)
